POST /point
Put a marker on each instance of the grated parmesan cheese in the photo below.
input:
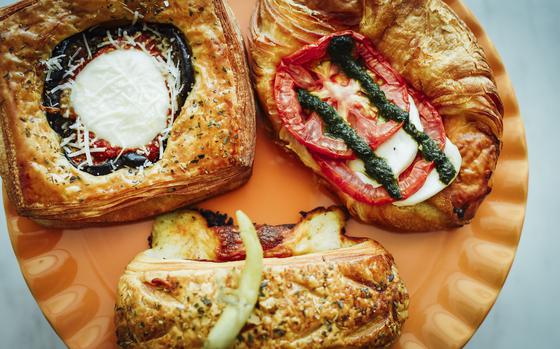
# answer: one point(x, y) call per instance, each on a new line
point(64, 86)
point(87, 45)
point(72, 69)
point(136, 14)
point(81, 165)
point(160, 147)
point(79, 143)
point(67, 140)
point(87, 151)
point(51, 64)
point(113, 42)
point(151, 30)
point(86, 148)
point(74, 56)
point(119, 156)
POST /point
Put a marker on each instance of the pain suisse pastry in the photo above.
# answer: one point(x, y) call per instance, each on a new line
point(113, 111)
point(392, 104)
point(319, 288)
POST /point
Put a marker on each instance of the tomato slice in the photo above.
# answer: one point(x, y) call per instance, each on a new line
point(310, 132)
point(294, 71)
point(341, 176)
point(375, 134)
point(299, 70)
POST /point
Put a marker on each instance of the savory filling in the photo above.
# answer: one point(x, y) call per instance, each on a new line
point(372, 136)
point(113, 93)
point(134, 98)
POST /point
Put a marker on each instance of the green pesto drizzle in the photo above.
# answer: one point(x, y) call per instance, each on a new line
point(376, 167)
point(340, 51)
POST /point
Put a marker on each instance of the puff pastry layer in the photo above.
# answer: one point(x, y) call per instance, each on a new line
point(435, 52)
point(211, 145)
point(343, 293)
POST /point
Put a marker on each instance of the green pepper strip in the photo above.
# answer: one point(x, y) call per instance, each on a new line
point(340, 51)
point(376, 167)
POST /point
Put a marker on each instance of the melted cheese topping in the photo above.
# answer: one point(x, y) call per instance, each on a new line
point(122, 97)
point(433, 185)
point(399, 152)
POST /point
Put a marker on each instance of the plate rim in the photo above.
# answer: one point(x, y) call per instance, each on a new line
point(406, 341)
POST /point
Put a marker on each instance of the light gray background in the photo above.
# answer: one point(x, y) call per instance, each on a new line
point(527, 34)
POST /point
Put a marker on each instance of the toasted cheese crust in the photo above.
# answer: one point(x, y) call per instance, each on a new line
point(211, 145)
point(186, 234)
point(431, 47)
point(349, 295)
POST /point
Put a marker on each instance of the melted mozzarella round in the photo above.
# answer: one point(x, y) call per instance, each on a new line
point(433, 184)
point(122, 97)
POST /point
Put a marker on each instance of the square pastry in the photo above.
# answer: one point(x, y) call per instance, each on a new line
point(113, 111)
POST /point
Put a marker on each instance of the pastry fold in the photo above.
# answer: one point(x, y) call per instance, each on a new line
point(211, 144)
point(437, 54)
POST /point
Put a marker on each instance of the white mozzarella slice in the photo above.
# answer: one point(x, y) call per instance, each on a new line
point(122, 97)
point(414, 115)
point(433, 185)
point(399, 151)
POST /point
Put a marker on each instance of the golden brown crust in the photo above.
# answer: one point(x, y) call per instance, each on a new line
point(42, 183)
point(351, 297)
point(436, 53)
point(187, 234)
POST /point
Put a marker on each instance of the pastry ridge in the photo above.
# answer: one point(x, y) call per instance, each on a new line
point(433, 49)
point(43, 185)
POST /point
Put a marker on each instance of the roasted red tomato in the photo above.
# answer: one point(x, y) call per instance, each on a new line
point(310, 68)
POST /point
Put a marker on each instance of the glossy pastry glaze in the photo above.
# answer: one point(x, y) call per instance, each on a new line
point(211, 145)
point(435, 52)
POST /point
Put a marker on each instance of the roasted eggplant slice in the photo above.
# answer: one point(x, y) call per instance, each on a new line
point(170, 54)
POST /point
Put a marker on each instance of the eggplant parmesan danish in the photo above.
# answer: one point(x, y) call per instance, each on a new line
point(392, 104)
point(113, 111)
point(315, 288)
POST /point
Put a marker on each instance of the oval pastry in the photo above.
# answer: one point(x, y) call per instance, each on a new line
point(114, 111)
point(319, 289)
point(367, 95)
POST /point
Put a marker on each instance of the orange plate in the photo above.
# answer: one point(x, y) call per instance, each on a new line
point(453, 276)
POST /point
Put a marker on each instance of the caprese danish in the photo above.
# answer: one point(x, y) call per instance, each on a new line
point(400, 117)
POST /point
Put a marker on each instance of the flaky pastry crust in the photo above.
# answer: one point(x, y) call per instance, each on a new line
point(432, 48)
point(202, 158)
point(352, 296)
